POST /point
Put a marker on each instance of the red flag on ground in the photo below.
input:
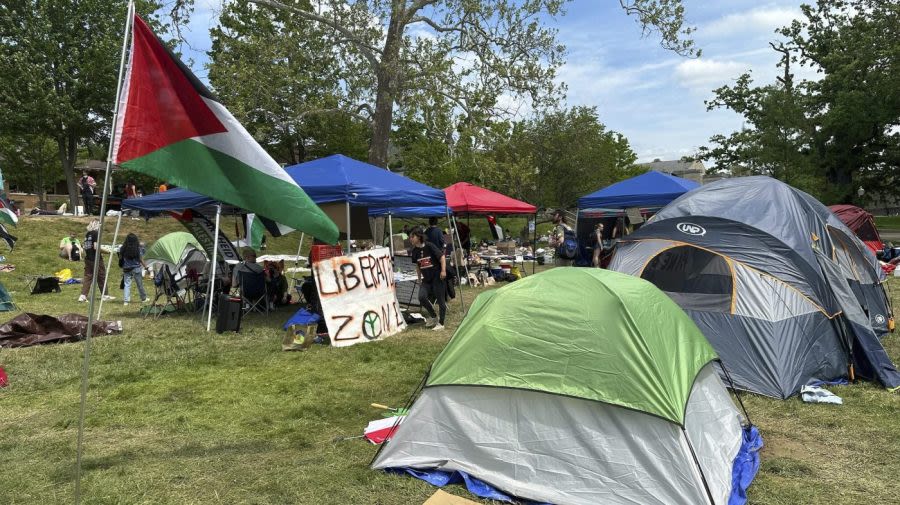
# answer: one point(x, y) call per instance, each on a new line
point(382, 429)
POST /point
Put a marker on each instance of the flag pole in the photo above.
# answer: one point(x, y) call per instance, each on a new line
point(391, 233)
point(90, 326)
point(109, 263)
point(213, 268)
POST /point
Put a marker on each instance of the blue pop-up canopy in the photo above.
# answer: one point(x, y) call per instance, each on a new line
point(174, 199)
point(435, 211)
point(338, 178)
point(652, 189)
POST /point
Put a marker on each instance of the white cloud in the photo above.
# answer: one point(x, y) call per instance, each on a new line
point(703, 75)
point(764, 20)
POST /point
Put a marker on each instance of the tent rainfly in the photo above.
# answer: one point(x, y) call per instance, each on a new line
point(554, 384)
point(862, 223)
point(784, 291)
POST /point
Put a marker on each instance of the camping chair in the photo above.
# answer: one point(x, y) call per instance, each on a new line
point(254, 293)
point(167, 289)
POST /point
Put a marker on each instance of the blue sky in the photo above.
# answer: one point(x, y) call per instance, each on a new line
point(649, 94)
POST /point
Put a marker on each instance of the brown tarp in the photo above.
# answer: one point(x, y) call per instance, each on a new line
point(33, 329)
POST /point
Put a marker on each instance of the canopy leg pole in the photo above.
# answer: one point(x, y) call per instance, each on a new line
point(455, 230)
point(462, 304)
point(297, 261)
point(86, 360)
point(109, 264)
point(391, 234)
point(348, 227)
point(533, 247)
point(213, 269)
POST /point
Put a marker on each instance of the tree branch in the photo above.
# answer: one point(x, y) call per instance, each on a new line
point(367, 51)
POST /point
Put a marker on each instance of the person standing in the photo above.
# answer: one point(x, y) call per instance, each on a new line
point(131, 259)
point(91, 250)
point(434, 234)
point(87, 185)
point(597, 243)
point(431, 270)
point(560, 240)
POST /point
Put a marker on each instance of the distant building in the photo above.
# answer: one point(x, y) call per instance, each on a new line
point(691, 170)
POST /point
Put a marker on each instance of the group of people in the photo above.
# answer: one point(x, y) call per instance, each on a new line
point(565, 243)
point(130, 261)
point(273, 273)
point(87, 186)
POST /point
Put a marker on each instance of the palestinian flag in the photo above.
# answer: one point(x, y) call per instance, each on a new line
point(7, 216)
point(171, 127)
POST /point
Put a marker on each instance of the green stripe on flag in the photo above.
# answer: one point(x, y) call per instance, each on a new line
point(194, 166)
point(255, 235)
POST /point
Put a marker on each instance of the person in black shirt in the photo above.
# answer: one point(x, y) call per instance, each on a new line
point(91, 249)
point(434, 234)
point(431, 268)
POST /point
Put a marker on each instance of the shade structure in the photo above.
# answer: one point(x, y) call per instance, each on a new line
point(338, 178)
point(862, 223)
point(174, 199)
point(437, 211)
point(784, 292)
point(651, 189)
point(577, 386)
point(467, 198)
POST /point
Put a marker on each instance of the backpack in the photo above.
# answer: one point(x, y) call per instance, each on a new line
point(569, 247)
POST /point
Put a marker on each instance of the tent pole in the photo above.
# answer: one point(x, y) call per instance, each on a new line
point(348, 226)
point(297, 261)
point(90, 324)
point(213, 268)
point(462, 304)
point(534, 247)
point(391, 233)
point(109, 263)
point(465, 258)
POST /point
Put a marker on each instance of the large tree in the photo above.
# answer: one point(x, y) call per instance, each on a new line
point(478, 54)
point(285, 79)
point(59, 62)
point(827, 135)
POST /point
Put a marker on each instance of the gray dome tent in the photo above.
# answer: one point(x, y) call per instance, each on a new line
point(782, 289)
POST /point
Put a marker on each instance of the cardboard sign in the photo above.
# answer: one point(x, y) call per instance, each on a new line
point(358, 297)
point(634, 215)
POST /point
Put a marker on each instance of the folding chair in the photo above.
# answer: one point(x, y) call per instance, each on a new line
point(166, 287)
point(254, 293)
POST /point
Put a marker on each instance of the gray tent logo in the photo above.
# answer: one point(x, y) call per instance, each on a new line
point(691, 229)
point(879, 319)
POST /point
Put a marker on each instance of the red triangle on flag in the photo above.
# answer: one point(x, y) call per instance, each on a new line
point(163, 103)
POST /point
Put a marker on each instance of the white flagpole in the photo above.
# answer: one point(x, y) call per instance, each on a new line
point(90, 326)
point(213, 268)
point(109, 265)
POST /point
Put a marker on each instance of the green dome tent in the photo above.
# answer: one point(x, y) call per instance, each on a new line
point(171, 248)
point(578, 386)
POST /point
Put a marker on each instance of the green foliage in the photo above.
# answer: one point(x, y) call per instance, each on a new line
point(284, 78)
point(549, 160)
point(831, 135)
point(59, 60)
point(30, 162)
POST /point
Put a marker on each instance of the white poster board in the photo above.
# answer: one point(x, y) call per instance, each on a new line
point(358, 297)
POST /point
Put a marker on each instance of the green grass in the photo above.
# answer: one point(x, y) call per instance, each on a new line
point(885, 223)
point(177, 415)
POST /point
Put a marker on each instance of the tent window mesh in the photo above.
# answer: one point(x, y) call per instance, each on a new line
point(695, 279)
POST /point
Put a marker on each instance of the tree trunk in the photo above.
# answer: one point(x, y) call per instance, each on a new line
point(66, 146)
point(386, 74)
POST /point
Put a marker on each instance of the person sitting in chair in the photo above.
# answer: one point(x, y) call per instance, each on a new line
point(248, 265)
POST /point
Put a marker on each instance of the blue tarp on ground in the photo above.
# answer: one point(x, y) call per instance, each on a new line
point(338, 178)
point(174, 199)
point(652, 189)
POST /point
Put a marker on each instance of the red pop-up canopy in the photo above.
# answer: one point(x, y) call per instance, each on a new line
point(466, 198)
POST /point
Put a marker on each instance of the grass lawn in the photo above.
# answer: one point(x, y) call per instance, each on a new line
point(178, 415)
point(891, 223)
